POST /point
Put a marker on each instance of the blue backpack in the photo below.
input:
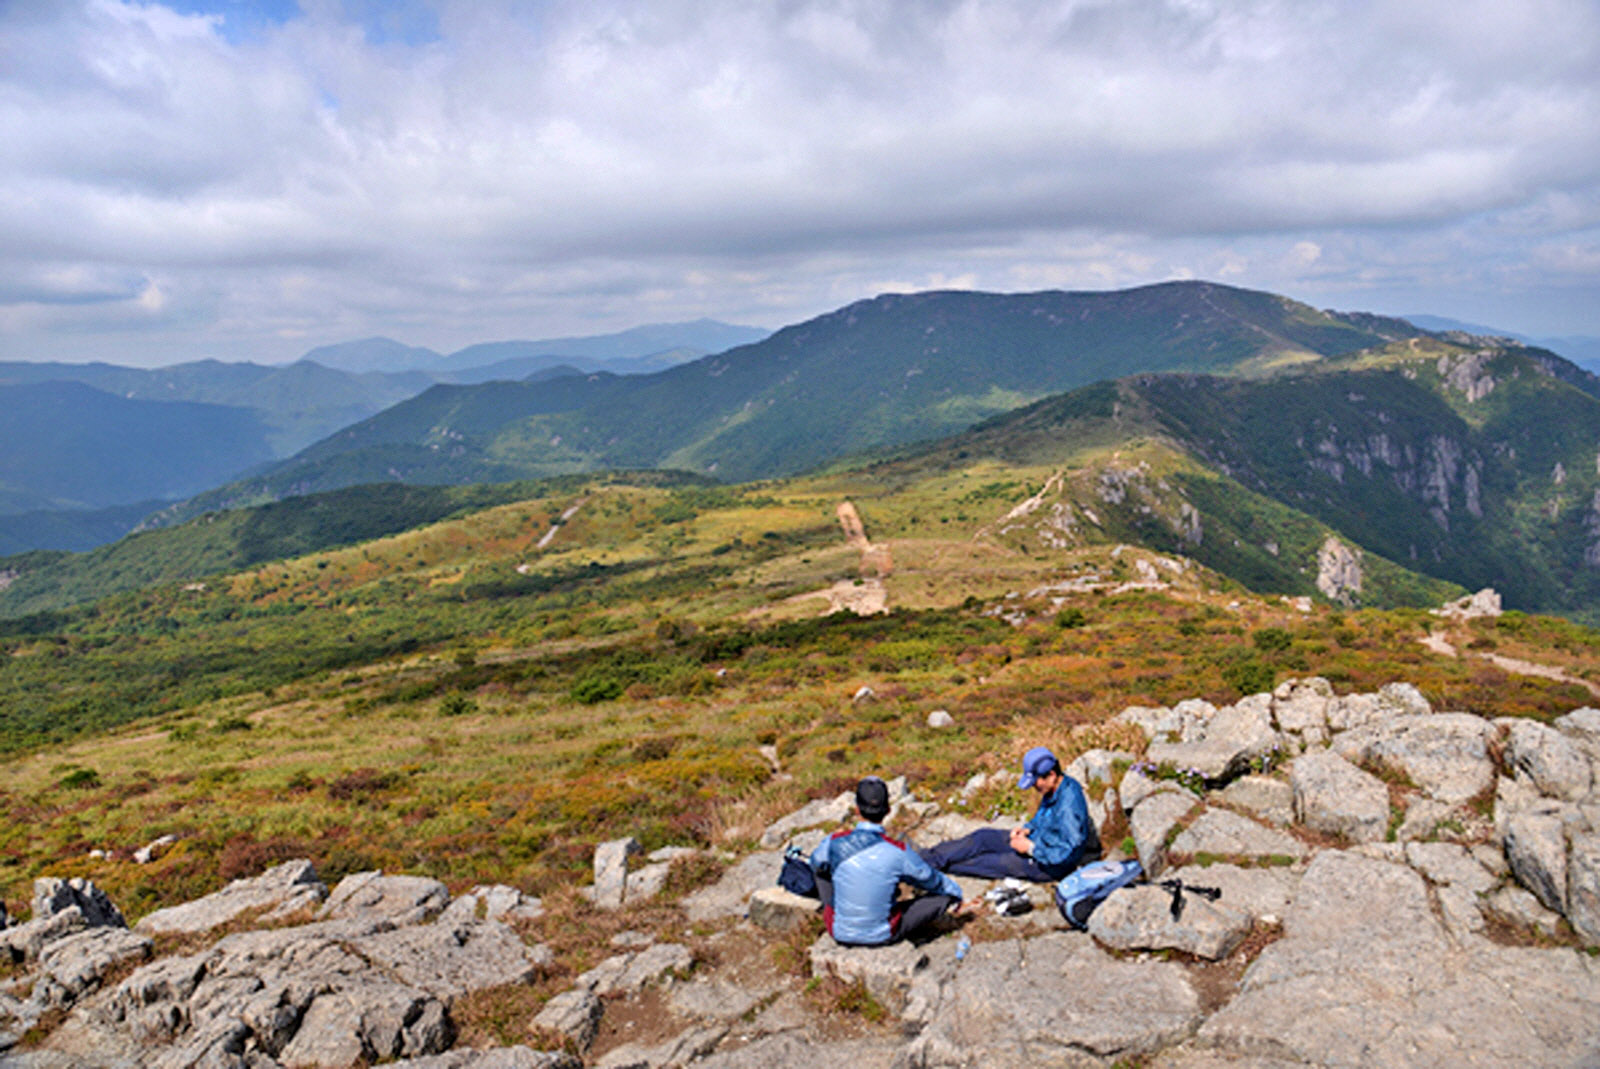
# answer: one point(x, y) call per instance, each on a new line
point(1083, 889)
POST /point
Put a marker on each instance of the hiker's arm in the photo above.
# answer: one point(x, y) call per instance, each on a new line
point(918, 873)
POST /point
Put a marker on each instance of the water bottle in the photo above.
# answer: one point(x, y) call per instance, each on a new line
point(962, 947)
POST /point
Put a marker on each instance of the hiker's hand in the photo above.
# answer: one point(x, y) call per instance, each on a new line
point(1020, 841)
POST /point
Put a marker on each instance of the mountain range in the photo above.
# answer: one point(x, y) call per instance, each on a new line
point(1351, 457)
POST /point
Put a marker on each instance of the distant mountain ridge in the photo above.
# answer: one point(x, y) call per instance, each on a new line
point(880, 372)
point(1581, 349)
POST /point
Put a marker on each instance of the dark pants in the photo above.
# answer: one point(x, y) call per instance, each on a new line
point(987, 853)
point(905, 916)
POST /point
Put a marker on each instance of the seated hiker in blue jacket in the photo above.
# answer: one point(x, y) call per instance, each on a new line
point(859, 872)
point(1056, 839)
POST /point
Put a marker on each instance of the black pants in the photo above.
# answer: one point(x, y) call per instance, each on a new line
point(905, 916)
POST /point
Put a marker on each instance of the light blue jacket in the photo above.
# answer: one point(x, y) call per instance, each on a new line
point(1060, 828)
point(866, 866)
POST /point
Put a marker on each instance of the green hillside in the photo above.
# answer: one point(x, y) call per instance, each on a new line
point(895, 369)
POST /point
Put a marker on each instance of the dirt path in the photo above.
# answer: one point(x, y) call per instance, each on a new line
point(1438, 643)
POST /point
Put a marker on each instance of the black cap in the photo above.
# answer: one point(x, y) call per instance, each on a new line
point(872, 798)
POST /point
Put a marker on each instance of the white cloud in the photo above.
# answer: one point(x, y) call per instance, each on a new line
point(540, 168)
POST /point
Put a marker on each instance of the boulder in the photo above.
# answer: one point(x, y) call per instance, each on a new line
point(574, 1014)
point(1519, 908)
point(1140, 918)
point(728, 896)
point(369, 1022)
point(1582, 726)
point(1551, 761)
point(1264, 893)
point(777, 910)
point(829, 811)
point(1445, 754)
point(625, 974)
point(279, 892)
point(1536, 848)
point(716, 999)
point(611, 871)
point(941, 718)
point(886, 971)
point(686, 1047)
point(1151, 823)
point(1055, 999)
point(1583, 887)
point(1332, 795)
point(1225, 744)
point(1097, 766)
point(1270, 799)
point(52, 896)
point(452, 960)
point(1300, 707)
point(495, 903)
point(401, 899)
point(1223, 834)
point(25, 941)
point(76, 965)
point(1449, 864)
point(493, 1058)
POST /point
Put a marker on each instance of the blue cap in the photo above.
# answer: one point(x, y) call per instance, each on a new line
point(1037, 762)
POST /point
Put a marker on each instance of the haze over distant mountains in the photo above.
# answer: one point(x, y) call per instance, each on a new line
point(1579, 348)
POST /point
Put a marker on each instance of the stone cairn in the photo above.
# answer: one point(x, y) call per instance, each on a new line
point(1399, 886)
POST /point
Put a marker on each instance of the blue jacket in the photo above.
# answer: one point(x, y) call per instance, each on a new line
point(866, 867)
point(1060, 828)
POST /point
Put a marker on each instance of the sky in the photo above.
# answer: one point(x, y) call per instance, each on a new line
point(248, 179)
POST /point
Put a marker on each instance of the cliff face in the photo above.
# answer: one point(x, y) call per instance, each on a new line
point(1476, 467)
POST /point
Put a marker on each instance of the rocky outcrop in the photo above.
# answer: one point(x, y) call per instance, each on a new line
point(1334, 853)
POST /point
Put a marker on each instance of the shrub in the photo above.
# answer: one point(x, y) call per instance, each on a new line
point(1071, 617)
point(596, 686)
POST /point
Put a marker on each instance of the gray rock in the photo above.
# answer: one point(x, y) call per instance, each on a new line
point(25, 941)
point(1300, 706)
point(1264, 893)
point(1097, 766)
point(1227, 743)
point(1518, 907)
point(777, 910)
point(452, 960)
point(1536, 848)
point(1153, 721)
point(624, 974)
point(645, 883)
point(1582, 726)
point(829, 811)
point(371, 1021)
point(611, 871)
point(675, 1053)
point(153, 849)
point(1056, 999)
point(714, 999)
point(1424, 816)
point(1154, 818)
point(1221, 833)
point(76, 965)
point(886, 971)
point(1332, 795)
point(1583, 887)
point(575, 1014)
point(1445, 754)
point(941, 718)
point(1403, 699)
point(793, 1050)
point(1136, 787)
point(1140, 918)
point(1459, 909)
point(1270, 799)
point(1555, 764)
point(401, 899)
point(496, 903)
point(727, 897)
point(276, 893)
point(493, 1058)
point(52, 896)
point(1449, 864)
point(1353, 711)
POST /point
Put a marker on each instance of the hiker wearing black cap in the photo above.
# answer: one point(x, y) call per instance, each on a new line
point(1056, 839)
point(859, 872)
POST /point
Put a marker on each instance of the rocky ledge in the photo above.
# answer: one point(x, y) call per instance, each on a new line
point(1396, 886)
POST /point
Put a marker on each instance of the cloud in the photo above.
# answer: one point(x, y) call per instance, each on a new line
point(478, 166)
